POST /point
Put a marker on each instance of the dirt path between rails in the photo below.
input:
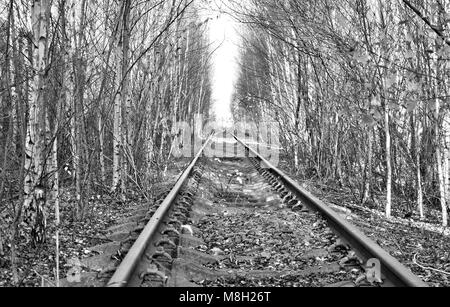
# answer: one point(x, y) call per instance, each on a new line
point(246, 236)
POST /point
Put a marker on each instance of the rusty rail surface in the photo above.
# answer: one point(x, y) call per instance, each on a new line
point(126, 269)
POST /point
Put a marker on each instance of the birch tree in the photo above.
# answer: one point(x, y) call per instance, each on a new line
point(366, 72)
point(35, 185)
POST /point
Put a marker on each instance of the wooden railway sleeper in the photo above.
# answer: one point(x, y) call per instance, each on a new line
point(139, 228)
point(273, 181)
point(292, 202)
point(183, 209)
point(284, 193)
point(154, 274)
point(180, 216)
point(151, 212)
point(161, 198)
point(277, 186)
point(166, 242)
point(174, 223)
point(187, 197)
point(169, 231)
point(195, 179)
point(298, 206)
point(184, 203)
point(181, 220)
point(288, 198)
point(188, 194)
point(186, 206)
point(196, 174)
point(280, 189)
point(163, 257)
point(198, 171)
point(154, 279)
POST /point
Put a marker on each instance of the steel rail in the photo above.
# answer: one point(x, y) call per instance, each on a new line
point(127, 267)
point(396, 273)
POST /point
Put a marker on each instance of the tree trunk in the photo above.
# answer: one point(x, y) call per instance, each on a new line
point(35, 187)
point(125, 100)
point(79, 16)
point(416, 156)
point(368, 167)
point(120, 142)
point(437, 126)
point(101, 138)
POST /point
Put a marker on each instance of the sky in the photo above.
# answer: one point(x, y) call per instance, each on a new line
point(224, 36)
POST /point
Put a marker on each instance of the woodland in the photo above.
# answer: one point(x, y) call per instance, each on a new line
point(360, 92)
point(91, 90)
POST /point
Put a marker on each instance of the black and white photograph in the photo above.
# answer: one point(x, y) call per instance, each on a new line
point(229, 150)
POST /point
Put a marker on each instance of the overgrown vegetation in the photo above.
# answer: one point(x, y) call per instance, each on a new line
point(360, 91)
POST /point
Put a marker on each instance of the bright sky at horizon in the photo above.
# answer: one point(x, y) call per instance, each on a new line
point(224, 37)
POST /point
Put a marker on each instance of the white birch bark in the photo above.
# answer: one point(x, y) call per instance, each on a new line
point(34, 185)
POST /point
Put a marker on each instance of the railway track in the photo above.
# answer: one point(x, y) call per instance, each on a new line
point(243, 222)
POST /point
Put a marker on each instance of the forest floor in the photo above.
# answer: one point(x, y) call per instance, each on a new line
point(37, 266)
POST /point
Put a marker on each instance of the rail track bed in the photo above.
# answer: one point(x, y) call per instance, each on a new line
point(240, 222)
point(251, 237)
